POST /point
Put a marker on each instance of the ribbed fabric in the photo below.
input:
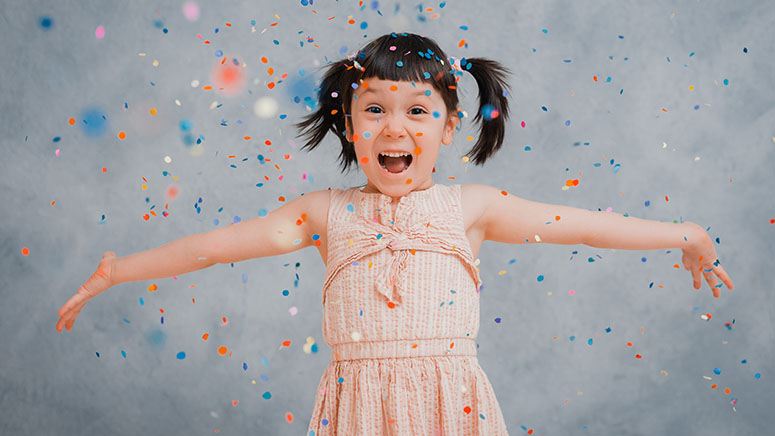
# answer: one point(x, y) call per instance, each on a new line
point(401, 313)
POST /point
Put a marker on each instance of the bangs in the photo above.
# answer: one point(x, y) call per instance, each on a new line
point(400, 57)
point(404, 58)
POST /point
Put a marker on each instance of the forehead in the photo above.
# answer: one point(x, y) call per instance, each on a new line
point(386, 88)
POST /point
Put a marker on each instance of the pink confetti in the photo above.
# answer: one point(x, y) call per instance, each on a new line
point(100, 32)
point(191, 11)
point(571, 292)
point(523, 124)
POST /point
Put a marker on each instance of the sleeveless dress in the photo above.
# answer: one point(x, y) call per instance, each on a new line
point(401, 314)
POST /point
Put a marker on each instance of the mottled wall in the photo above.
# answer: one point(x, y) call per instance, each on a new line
point(660, 110)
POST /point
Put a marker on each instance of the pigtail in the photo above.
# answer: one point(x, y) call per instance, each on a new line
point(490, 77)
point(329, 116)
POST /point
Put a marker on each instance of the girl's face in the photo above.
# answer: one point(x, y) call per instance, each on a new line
point(389, 116)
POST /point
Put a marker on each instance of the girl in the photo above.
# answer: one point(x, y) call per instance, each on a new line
point(401, 292)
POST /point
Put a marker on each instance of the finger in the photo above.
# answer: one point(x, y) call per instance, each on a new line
point(724, 277)
point(697, 278)
point(71, 303)
point(712, 282)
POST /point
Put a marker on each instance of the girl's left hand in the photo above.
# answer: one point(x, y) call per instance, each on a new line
point(701, 258)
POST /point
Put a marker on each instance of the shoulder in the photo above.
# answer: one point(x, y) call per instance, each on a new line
point(475, 198)
point(315, 206)
point(476, 194)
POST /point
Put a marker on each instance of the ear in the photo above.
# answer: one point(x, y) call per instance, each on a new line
point(449, 128)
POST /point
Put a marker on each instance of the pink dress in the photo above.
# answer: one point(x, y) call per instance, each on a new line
point(401, 313)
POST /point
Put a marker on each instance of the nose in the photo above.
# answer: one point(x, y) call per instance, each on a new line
point(394, 127)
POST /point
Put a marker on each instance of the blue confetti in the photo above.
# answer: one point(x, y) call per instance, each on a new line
point(181, 355)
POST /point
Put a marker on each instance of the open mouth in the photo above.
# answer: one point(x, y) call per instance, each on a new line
point(395, 163)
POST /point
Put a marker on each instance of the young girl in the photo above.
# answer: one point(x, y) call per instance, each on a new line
point(401, 291)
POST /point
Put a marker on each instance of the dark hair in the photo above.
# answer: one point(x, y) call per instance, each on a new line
point(408, 57)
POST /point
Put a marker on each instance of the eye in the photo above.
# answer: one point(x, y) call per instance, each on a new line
point(375, 111)
point(418, 111)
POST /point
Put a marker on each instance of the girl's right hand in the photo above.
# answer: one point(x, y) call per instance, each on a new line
point(100, 281)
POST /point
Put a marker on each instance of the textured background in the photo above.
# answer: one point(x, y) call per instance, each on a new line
point(682, 131)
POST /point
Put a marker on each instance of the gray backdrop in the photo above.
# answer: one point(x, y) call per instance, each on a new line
point(642, 143)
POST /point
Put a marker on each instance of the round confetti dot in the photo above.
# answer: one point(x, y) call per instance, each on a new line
point(717, 371)
point(100, 32)
point(181, 355)
point(153, 111)
point(229, 79)
point(265, 107)
point(25, 251)
point(122, 135)
point(46, 22)
point(93, 122)
point(393, 88)
point(191, 11)
point(266, 395)
point(489, 112)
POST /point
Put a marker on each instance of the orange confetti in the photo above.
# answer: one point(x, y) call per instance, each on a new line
point(264, 60)
point(25, 251)
point(638, 356)
point(391, 304)
point(629, 344)
point(355, 137)
point(418, 134)
point(289, 417)
point(122, 135)
point(205, 336)
point(281, 198)
point(461, 43)
point(247, 138)
point(334, 111)
point(417, 150)
point(228, 24)
point(234, 403)
point(270, 85)
point(393, 88)
point(207, 88)
point(666, 199)
point(408, 181)
point(286, 343)
point(153, 111)
point(504, 193)
point(268, 142)
point(557, 218)
point(467, 409)
point(152, 287)
point(364, 160)
point(222, 350)
point(270, 71)
point(727, 391)
point(71, 121)
point(714, 386)
point(594, 78)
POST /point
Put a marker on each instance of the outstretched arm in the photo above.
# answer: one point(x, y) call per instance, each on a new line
point(510, 219)
point(282, 231)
